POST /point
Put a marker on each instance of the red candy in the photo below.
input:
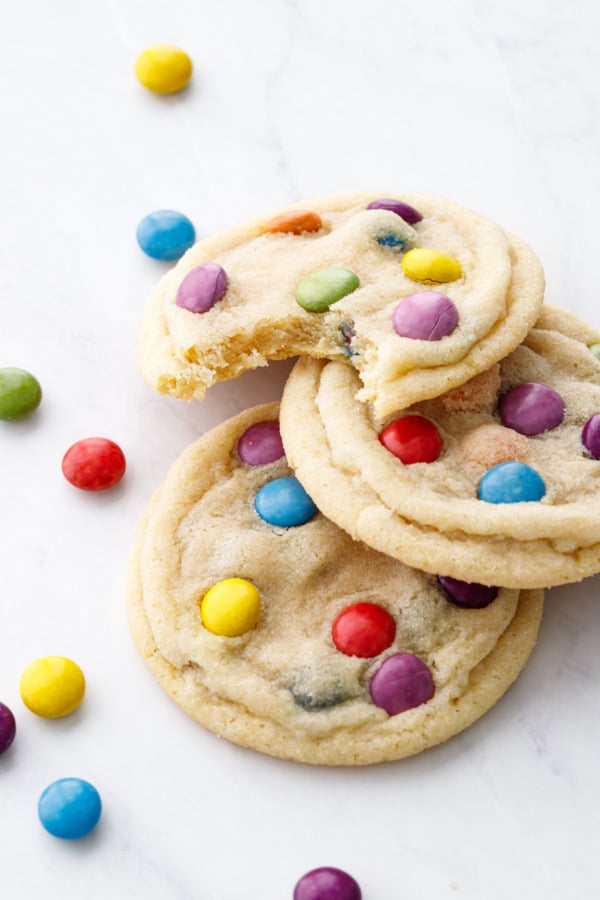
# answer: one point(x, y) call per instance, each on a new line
point(412, 439)
point(364, 630)
point(94, 464)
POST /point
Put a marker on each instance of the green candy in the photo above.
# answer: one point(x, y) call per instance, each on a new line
point(20, 393)
point(595, 348)
point(320, 289)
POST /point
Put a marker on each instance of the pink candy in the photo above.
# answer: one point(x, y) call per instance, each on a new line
point(202, 287)
point(425, 316)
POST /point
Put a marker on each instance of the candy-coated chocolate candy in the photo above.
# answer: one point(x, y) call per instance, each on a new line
point(412, 439)
point(531, 408)
point(406, 212)
point(320, 289)
point(8, 728)
point(202, 287)
point(364, 630)
point(284, 502)
point(69, 808)
point(261, 444)
point(294, 222)
point(52, 686)
point(163, 69)
point(327, 883)
point(425, 316)
point(165, 234)
point(511, 482)
point(590, 435)
point(231, 607)
point(402, 682)
point(20, 393)
point(422, 264)
point(466, 593)
point(595, 348)
point(94, 464)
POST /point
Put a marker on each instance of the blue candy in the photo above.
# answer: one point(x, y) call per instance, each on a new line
point(392, 240)
point(165, 234)
point(284, 502)
point(511, 482)
point(69, 808)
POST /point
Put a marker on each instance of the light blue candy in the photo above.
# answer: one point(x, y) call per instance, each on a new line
point(165, 234)
point(511, 482)
point(284, 502)
point(69, 808)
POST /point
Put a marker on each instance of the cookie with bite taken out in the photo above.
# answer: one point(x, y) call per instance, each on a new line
point(415, 294)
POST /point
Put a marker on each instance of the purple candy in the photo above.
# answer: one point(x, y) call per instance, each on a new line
point(591, 435)
point(202, 287)
point(327, 883)
point(7, 728)
point(406, 212)
point(261, 444)
point(425, 316)
point(402, 682)
point(466, 593)
point(531, 408)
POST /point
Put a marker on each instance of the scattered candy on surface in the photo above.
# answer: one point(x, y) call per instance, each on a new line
point(284, 502)
point(261, 444)
point(327, 883)
point(412, 439)
point(532, 408)
point(468, 594)
point(163, 69)
point(165, 234)
point(320, 289)
point(231, 607)
point(402, 682)
point(590, 435)
point(404, 210)
point(20, 393)
point(8, 728)
point(94, 464)
point(202, 287)
point(69, 808)
point(425, 316)
point(295, 221)
point(422, 264)
point(364, 630)
point(52, 686)
point(511, 482)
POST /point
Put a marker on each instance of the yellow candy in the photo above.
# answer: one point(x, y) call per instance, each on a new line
point(231, 607)
point(163, 69)
point(422, 264)
point(52, 686)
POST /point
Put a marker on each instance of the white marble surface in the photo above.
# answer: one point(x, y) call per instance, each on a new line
point(495, 105)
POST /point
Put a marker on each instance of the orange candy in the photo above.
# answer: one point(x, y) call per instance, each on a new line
point(294, 222)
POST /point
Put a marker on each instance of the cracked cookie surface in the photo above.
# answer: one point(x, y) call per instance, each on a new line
point(283, 686)
point(429, 514)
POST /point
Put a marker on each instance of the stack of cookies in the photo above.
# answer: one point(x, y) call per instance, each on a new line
point(356, 574)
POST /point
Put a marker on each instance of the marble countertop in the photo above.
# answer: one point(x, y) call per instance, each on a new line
point(494, 105)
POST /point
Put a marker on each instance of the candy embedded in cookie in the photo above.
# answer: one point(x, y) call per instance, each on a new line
point(415, 292)
point(290, 637)
point(509, 497)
